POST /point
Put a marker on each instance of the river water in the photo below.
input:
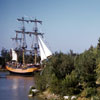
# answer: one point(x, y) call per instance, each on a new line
point(15, 87)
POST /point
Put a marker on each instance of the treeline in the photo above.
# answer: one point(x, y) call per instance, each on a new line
point(6, 56)
point(72, 74)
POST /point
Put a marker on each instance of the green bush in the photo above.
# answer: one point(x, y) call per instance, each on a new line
point(40, 82)
point(55, 85)
point(70, 85)
point(89, 92)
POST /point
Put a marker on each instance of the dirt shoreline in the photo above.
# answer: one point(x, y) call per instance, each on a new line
point(3, 70)
point(49, 96)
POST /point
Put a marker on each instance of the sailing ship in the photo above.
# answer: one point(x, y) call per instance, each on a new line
point(38, 49)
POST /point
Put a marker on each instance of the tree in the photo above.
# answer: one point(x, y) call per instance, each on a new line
point(70, 85)
point(85, 66)
point(5, 54)
point(62, 64)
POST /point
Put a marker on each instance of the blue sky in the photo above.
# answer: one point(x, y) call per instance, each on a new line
point(67, 24)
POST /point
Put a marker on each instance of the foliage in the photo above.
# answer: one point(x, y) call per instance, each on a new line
point(5, 57)
point(88, 92)
point(85, 67)
point(98, 61)
point(70, 85)
point(72, 74)
point(5, 54)
point(55, 85)
point(40, 82)
point(57, 68)
point(62, 64)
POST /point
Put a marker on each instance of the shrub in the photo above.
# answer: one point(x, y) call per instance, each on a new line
point(40, 82)
point(88, 92)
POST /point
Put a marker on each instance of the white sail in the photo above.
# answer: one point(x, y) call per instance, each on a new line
point(14, 55)
point(42, 55)
point(44, 51)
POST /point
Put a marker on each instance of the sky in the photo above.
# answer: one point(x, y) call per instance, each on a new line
point(67, 24)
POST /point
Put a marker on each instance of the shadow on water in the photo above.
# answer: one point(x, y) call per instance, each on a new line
point(15, 87)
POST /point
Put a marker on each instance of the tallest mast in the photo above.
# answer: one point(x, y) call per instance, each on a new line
point(36, 37)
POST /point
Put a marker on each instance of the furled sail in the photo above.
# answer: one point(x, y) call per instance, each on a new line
point(14, 55)
point(44, 51)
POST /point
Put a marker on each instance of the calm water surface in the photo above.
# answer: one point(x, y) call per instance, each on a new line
point(15, 87)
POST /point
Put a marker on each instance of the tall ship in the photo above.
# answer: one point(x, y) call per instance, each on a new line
point(26, 61)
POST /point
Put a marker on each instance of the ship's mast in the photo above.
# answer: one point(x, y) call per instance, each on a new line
point(16, 40)
point(35, 33)
point(24, 46)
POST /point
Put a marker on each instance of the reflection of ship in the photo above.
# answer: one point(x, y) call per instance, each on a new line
point(39, 51)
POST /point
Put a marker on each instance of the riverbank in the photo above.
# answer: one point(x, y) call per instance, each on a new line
point(46, 95)
point(49, 96)
point(3, 70)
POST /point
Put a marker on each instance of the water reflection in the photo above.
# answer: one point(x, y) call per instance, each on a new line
point(15, 87)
